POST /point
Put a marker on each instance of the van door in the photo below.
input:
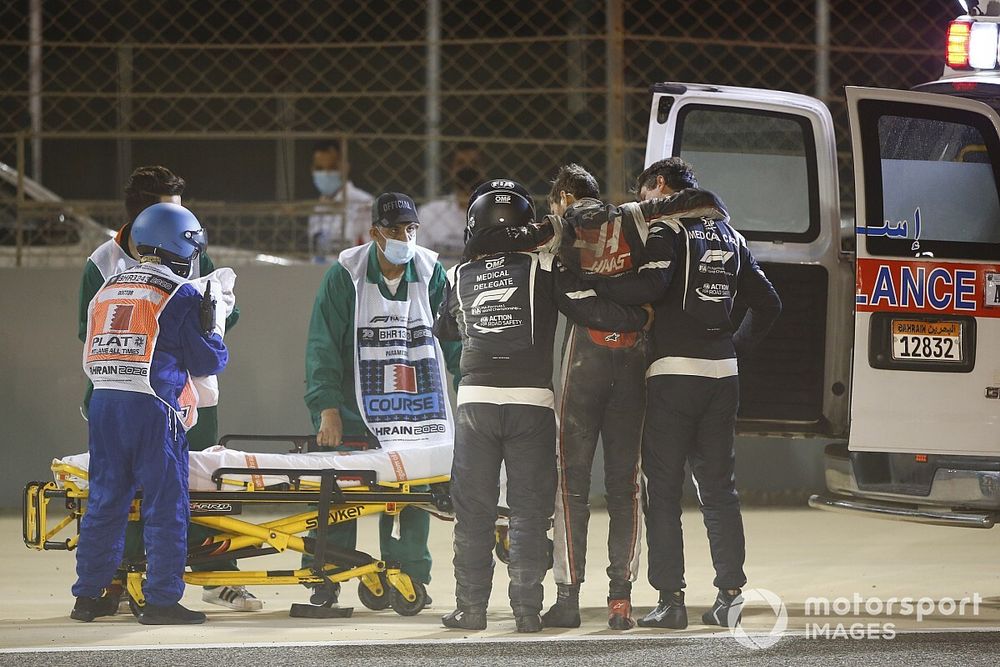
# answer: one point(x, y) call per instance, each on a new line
point(927, 332)
point(771, 156)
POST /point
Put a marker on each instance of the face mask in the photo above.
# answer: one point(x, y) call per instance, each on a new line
point(327, 182)
point(399, 252)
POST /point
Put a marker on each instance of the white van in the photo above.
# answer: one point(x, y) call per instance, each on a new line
point(889, 339)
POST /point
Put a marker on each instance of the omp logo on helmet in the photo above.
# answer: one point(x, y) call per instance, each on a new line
point(499, 295)
point(119, 317)
point(501, 199)
point(400, 378)
point(721, 256)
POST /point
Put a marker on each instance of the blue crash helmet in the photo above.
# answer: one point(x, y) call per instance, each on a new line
point(172, 233)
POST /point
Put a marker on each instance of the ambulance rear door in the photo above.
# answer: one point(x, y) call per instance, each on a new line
point(926, 372)
point(771, 156)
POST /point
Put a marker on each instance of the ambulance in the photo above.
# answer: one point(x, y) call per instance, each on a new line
point(889, 339)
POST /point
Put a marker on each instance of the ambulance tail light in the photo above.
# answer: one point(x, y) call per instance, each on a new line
point(959, 36)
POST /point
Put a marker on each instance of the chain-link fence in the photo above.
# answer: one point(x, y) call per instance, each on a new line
point(233, 94)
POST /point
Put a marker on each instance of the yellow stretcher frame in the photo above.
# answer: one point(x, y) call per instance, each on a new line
point(380, 584)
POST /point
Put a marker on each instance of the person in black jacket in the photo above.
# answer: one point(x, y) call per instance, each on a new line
point(603, 379)
point(504, 307)
point(697, 267)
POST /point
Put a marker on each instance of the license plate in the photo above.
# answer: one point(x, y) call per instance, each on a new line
point(918, 340)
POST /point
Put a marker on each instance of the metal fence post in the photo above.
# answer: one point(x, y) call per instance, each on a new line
point(35, 87)
point(432, 156)
point(124, 144)
point(615, 100)
point(822, 49)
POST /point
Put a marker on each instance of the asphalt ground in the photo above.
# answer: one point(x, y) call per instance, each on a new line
point(798, 557)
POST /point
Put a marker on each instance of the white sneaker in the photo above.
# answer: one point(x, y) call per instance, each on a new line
point(233, 597)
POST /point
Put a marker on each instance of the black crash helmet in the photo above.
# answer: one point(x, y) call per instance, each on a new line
point(498, 202)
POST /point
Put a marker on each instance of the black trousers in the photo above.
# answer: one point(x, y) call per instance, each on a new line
point(603, 394)
point(523, 437)
point(691, 419)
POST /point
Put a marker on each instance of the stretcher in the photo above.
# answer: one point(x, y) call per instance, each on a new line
point(319, 490)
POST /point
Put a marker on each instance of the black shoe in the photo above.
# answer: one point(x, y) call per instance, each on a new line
point(325, 595)
point(174, 614)
point(529, 623)
point(465, 620)
point(670, 613)
point(565, 613)
point(719, 613)
point(87, 609)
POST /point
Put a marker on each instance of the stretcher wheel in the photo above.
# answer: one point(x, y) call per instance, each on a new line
point(372, 601)
point(502, 548)
point(133, 606)
point(405, 607)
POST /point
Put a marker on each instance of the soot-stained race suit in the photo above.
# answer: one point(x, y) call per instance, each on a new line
point(603, 374)
point(144, 342)
point(692, 389)
point(504, 307)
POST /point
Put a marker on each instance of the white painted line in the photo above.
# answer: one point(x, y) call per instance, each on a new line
point(635, 636)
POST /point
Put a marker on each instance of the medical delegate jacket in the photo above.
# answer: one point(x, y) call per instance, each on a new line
point(330, 346)
point(504, 308)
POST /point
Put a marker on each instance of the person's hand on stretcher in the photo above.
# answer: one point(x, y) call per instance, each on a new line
point(331, 428)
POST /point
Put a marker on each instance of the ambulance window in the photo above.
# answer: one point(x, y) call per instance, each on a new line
point(933, 190)
point(761, 163)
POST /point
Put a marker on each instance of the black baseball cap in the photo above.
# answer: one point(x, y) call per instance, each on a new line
point(393, 208)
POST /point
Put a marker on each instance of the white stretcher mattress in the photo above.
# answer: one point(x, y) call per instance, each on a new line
point(396, 465)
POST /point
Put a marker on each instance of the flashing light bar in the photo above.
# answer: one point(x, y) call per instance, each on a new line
point(959, 36)
point(973, 45)
point(983, 46)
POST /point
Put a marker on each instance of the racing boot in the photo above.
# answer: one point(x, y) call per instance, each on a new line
point(565, 613)
point(460, 619)
point(172, 614)
point(620, 614)
point(529, 623)
point(670, 612)
point(724, 601)
point(87, 609)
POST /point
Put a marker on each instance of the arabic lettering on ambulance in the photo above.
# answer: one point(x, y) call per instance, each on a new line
point(899, 229)
point(925, 328)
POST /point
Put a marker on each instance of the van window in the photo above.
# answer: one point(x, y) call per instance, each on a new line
point(762, 164)
point(933, 190)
